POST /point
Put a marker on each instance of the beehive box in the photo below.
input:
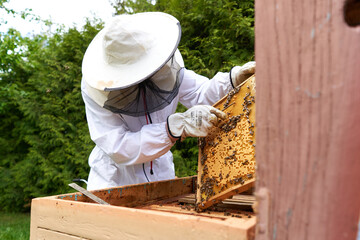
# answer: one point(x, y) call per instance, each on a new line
point(142, 211)
point(227, 155)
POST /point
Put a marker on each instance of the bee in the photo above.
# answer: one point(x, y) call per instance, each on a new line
point(242, 181)
point(227, 214)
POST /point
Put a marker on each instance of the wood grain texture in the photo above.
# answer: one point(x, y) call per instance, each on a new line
point(308, 120)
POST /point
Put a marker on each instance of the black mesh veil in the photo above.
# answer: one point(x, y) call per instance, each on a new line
point(150, 95)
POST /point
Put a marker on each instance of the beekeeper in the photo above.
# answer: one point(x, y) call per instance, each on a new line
point(133, 79)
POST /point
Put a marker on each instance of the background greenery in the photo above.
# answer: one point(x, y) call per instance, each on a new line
point(44, 141)
point(14, 226)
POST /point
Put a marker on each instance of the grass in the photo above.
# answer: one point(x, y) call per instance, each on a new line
point(14, 226)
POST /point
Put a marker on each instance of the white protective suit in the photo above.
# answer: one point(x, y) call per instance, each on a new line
point(124, 143)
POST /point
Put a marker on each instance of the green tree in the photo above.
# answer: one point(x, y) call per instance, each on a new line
point(45, 141)
point(2, 5)
point(13, 147)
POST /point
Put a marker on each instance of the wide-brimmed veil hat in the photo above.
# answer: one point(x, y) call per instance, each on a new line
point(130, 49)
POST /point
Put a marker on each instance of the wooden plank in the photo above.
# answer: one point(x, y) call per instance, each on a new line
point(227, 193)
point(209, 213)
point(308, 119)
point(138, 194)
point(236, 199)
point(95, 221)
point(227, 155)
point(240, 202)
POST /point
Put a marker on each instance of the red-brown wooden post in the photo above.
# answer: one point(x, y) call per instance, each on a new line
point(308, 120)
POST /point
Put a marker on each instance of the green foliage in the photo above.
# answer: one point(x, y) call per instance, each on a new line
point(44, 141)
point(2, 4)
point(185, 157)
point(14, 226)
point(26, 14)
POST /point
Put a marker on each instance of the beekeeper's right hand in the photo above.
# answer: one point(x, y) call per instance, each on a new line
point(195, 122)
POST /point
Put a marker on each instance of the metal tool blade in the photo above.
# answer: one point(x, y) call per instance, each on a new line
point(88, 194)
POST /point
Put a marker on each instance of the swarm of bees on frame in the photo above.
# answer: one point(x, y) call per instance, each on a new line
point(227, 154)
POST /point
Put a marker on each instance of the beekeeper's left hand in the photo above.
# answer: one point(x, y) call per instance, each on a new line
point(239, 74)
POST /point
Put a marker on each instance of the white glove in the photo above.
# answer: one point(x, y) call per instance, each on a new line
point(238, 74)
point(195, 122)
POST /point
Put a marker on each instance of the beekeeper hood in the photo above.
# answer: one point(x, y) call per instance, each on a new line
point(132, 66)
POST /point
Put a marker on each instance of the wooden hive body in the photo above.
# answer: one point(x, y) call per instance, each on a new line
point(156, 210)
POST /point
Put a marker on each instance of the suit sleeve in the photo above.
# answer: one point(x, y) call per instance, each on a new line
point(199, 90)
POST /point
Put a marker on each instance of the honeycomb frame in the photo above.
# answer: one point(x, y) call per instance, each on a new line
point(226, 164)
